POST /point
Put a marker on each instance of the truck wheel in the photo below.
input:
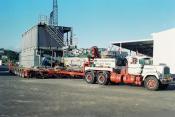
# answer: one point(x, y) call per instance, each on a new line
point(151, 83)
point(103, 78)
point(164, 86)
point(90, 77)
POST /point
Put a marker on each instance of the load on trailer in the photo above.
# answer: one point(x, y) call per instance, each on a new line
point(67, 65)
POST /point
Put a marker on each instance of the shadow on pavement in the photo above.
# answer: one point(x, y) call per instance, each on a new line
point(170, 88)
point(5, 73)
point(3, 68)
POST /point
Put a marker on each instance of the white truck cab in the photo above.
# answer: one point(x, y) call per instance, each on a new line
point(154, 76)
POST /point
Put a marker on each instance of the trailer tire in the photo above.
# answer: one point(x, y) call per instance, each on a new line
point(103, 78)
point(151, 83)
point(90, 77)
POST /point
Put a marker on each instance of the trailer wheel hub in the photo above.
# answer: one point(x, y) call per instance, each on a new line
point(101, 78)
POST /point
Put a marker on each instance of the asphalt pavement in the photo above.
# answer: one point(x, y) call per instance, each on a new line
point(74, 98)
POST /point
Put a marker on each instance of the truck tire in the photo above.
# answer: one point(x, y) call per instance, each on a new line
point(103, 78)
point(151, 83)
point(90, 77)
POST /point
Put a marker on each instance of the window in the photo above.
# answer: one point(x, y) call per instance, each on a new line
point(146, 61)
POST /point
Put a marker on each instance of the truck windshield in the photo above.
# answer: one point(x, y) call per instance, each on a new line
point(146, 61)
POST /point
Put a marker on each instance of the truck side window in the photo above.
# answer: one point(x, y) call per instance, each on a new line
point(141, 61)
point(146, 61)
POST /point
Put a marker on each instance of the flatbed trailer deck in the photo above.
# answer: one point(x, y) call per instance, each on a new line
point(43, 72)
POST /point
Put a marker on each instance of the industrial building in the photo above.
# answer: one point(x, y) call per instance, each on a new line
point(160, 47)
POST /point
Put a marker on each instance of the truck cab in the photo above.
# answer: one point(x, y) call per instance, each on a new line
point(154, 76)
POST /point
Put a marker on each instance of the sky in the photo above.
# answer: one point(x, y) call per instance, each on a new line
point(95, 22)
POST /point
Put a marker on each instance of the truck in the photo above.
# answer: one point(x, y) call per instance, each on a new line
point(135, 70)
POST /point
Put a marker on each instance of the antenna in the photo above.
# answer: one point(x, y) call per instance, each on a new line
point(54, 14)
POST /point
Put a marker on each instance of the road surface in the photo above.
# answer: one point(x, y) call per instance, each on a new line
point(74, 98)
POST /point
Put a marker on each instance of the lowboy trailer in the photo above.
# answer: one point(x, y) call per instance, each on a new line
point(43, 72)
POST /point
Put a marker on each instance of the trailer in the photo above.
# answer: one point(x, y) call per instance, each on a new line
point(43, 73)
point(65, 67)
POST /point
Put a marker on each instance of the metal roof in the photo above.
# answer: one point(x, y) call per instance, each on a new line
point(142, 46)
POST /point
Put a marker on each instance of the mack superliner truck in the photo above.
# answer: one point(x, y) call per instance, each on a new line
point(136, 70)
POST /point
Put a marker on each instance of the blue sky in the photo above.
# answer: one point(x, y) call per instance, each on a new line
point(95, 22)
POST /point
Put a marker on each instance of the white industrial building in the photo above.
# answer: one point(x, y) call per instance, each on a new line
point(160, 47)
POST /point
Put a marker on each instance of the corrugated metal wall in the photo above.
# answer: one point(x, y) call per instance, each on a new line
point(29, 38)
point(28, 58)
point(38, 38)
point(45, 40)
